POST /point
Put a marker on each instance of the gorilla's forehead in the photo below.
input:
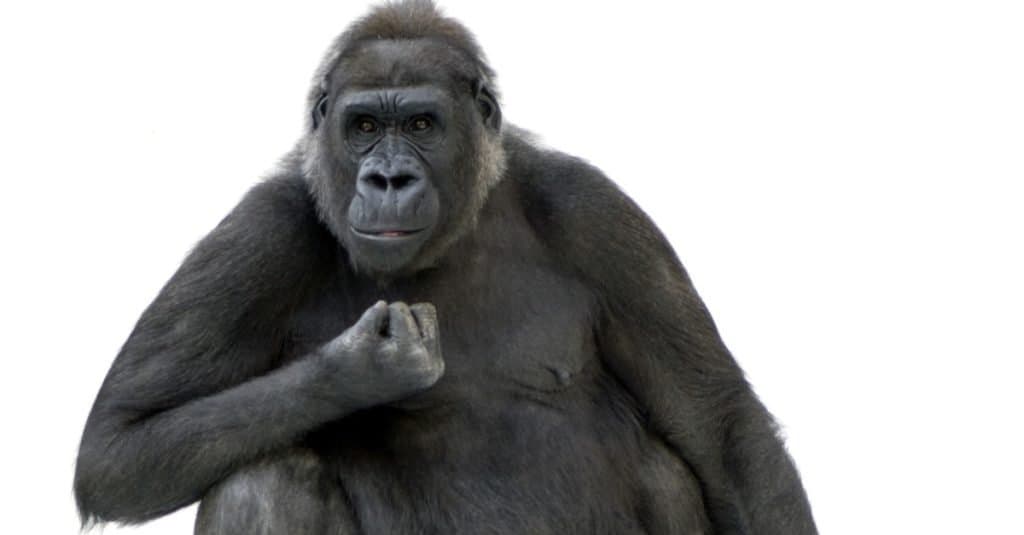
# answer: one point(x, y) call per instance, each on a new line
point(385, 100)
point(404, 62)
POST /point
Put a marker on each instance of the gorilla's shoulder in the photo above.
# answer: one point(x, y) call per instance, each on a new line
point(581, 214)
point(273, 228)
point(556, 186)
point(282, 200)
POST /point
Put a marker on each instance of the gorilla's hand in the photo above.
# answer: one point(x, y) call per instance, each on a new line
point(390, 353)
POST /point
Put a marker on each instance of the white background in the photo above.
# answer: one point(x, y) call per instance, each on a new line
point(842, 180)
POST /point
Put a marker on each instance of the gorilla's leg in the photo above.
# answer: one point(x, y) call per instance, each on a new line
point(291, 494)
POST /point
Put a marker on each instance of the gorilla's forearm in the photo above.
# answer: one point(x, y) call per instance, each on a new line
point(763, 474)
point(698, 400)
point(133, 469)
point(138, 470)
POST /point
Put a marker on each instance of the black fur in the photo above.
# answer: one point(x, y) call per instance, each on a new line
point(578, 384)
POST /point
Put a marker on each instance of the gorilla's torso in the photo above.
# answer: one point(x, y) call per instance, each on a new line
point(526, 432)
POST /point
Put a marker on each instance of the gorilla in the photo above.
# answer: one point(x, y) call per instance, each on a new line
point(425, 323)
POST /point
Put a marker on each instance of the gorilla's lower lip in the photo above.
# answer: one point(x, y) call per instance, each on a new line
point(387, 233)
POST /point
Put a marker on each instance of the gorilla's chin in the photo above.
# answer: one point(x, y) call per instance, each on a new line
point(386, 253)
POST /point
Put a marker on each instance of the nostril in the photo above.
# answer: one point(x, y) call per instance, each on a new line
point(377, 181)
point(401, 181)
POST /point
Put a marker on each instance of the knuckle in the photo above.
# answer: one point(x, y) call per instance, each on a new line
point(386, 354)
point(353, 337)
point(436, 371)
point(419, 355)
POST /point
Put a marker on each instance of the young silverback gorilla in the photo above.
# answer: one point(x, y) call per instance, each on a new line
point(557, 373)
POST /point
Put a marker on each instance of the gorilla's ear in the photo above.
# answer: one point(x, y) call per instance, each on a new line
point(488, 105)
point(320, 110)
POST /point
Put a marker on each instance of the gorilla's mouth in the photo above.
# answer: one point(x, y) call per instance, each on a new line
point(387, 233)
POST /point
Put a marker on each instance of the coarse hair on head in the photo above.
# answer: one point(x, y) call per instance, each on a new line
point(401, 20)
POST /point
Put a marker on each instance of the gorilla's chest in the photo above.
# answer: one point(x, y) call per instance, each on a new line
point(509, 330)
point(514, 331)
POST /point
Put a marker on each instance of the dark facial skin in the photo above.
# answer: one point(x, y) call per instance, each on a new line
point(403, 164)
point(395, 140)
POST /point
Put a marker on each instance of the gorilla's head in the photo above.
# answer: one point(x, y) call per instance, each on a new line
point(404, 137)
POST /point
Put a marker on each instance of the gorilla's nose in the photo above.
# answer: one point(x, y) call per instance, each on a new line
point(391, 194)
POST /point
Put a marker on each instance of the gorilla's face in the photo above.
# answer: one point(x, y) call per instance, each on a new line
point(403, 154)
point(398, 153)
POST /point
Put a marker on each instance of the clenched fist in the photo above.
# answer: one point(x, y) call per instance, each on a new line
point(390, 353)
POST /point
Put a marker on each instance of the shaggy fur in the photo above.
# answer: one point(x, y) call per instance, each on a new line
point(558, 372)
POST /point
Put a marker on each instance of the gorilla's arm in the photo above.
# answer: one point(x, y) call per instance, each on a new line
point(658, 338)
point(180, 406)
point(194, 393)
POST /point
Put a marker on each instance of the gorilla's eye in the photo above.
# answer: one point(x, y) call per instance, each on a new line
point(366, 125)
point(420, 124)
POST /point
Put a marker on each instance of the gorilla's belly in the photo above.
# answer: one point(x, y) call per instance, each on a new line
point(515, 465)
